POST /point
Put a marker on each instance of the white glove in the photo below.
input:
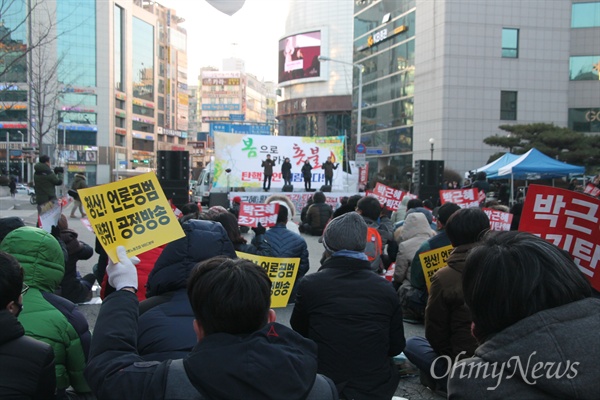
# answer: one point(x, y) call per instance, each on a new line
point(123, 274)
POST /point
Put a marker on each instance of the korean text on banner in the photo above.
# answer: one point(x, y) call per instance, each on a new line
point(133, 213)
point(464, 198)
point(499, 220)
point(389, 198)
point(253, 214)
point(281, 271)
point(570, 221)
point(433, 260)
point(592, 190)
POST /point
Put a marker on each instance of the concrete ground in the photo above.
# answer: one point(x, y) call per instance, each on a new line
point(409, 387)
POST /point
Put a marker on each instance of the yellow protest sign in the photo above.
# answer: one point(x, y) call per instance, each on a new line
point(281, 271)
point(433, 260)
point(133, 212)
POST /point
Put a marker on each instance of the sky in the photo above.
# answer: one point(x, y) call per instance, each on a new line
point(255, 29)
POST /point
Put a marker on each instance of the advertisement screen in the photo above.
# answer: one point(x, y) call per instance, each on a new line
point(299, 56)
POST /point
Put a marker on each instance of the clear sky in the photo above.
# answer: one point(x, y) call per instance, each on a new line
point(255, 29)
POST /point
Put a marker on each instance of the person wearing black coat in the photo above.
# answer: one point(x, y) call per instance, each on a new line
point(26, 364)
point(307, 174)
point(286, 171)
point(165, 323)
point(317, 216)
point(352, 314)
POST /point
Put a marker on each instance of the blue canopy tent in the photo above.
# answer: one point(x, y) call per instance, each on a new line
point(491, 169)
point(536, 165)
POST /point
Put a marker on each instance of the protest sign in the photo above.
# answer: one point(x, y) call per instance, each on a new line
point(433, 260)
point(133, 212)
point(499, 220)
point(388, 197)
point(50, 215)
point(570, 221)
point(464, 198)
point(253, 214)
point(592, 190)
point(281, 271)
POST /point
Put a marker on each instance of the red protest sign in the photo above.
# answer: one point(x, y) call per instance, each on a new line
point(592, 190)
point(389, 198)
point(569, 220)
point(253, 214)
point(499, 220)
point(464, 198)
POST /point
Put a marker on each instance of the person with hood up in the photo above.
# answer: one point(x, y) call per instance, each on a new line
point(45, 180)
point(79, 182)
point(164, 328)
point(46, 316)
point(352, 314)
point(26, 364)
point(535, 320)
point(241, 353)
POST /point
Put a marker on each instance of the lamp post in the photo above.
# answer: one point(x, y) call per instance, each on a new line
point(22, 163)
point(7, 153)
point(431, 141)
point(360, 68)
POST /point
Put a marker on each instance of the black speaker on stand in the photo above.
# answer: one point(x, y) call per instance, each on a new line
point(173, 170)
point(428, 177)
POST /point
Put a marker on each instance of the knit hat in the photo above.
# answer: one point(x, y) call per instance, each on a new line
point(346, 232)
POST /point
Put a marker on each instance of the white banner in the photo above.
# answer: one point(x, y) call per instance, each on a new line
point(243, 155)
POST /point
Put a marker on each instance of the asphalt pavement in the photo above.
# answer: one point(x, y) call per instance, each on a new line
point(409, 387)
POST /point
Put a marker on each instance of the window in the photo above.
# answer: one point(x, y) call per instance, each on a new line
point(585, 15)
point(508, 106)
point(510, 43)
point(584, 68)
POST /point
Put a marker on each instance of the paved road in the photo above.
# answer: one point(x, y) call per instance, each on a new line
point(409, 387)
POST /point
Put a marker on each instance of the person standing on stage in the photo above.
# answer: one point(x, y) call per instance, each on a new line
point(307, 174)
point(286, 172)
point(267, 172)
point(328, 166)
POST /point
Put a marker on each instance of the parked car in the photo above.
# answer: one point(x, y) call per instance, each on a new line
point(24, 189)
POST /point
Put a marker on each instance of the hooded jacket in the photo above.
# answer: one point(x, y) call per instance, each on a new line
point(71, 286)
point(46, 316)
point(562, 340)
point(273, 363)
point(356, 320)
point(165, 325)
point(45, 180)
point(79, 182)
point(415, 231)
point(26, 364)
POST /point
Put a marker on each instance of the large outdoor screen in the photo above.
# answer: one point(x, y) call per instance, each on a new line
point(299, 56)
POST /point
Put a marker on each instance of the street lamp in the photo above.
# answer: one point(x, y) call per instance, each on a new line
point(431, 141)
point(22, 163)
point(360, 68)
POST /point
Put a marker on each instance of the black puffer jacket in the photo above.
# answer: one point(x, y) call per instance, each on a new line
point(165, 324)
point(26, 364)
point(318, 216)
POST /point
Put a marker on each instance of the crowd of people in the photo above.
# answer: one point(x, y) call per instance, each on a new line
point(509, 316)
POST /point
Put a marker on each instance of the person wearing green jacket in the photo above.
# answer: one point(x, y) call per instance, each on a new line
point(46, 316)
point(45, 179)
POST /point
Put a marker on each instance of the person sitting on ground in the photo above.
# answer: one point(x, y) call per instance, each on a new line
point(304, 210)
point(414, 297)
point(240, 352)
point(74, 287)
point(400, 213)
point(9, 224)
point(230, 224)
point(372, 213)
point(350, 206)
point(26, 364)
point(352, 314)
point(285, 201)
point(447, 318)
point(46, 316)
point(534, 316)
point(317, 216)
point(410, 204)
point(164, 324)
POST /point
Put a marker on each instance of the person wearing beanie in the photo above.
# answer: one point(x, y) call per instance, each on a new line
point(352, 314)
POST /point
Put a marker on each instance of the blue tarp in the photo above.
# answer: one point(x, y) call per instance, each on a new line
point(491, 169)
point(536, 165)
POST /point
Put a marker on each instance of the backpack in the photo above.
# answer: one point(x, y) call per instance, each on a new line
point(374, 249)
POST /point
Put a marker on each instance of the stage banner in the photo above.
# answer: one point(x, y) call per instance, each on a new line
point(499, 220)
point(568, 219)
point(299, 200)
point(243, 154)
point(464, 198)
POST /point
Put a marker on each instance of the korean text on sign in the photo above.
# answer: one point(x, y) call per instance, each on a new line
point(389, 197)
point(568, 219)
point(133, 213)
point(499, 220)
point(282, 273)
point(253, 214)
point(433, 260)
point(464, 198)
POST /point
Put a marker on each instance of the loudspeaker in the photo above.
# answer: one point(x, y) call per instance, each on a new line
point(325, 188)
point(287, 188)
point(429, 172)
point(173, 165)
point(428, 192)
point(218, 199)
point(178, 190)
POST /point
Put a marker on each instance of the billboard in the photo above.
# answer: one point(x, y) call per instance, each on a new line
point(299, 56)
point(243, 155)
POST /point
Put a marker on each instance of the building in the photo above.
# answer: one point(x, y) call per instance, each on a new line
point(453, 71)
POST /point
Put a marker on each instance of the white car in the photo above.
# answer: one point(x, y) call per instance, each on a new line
point(24, 189)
